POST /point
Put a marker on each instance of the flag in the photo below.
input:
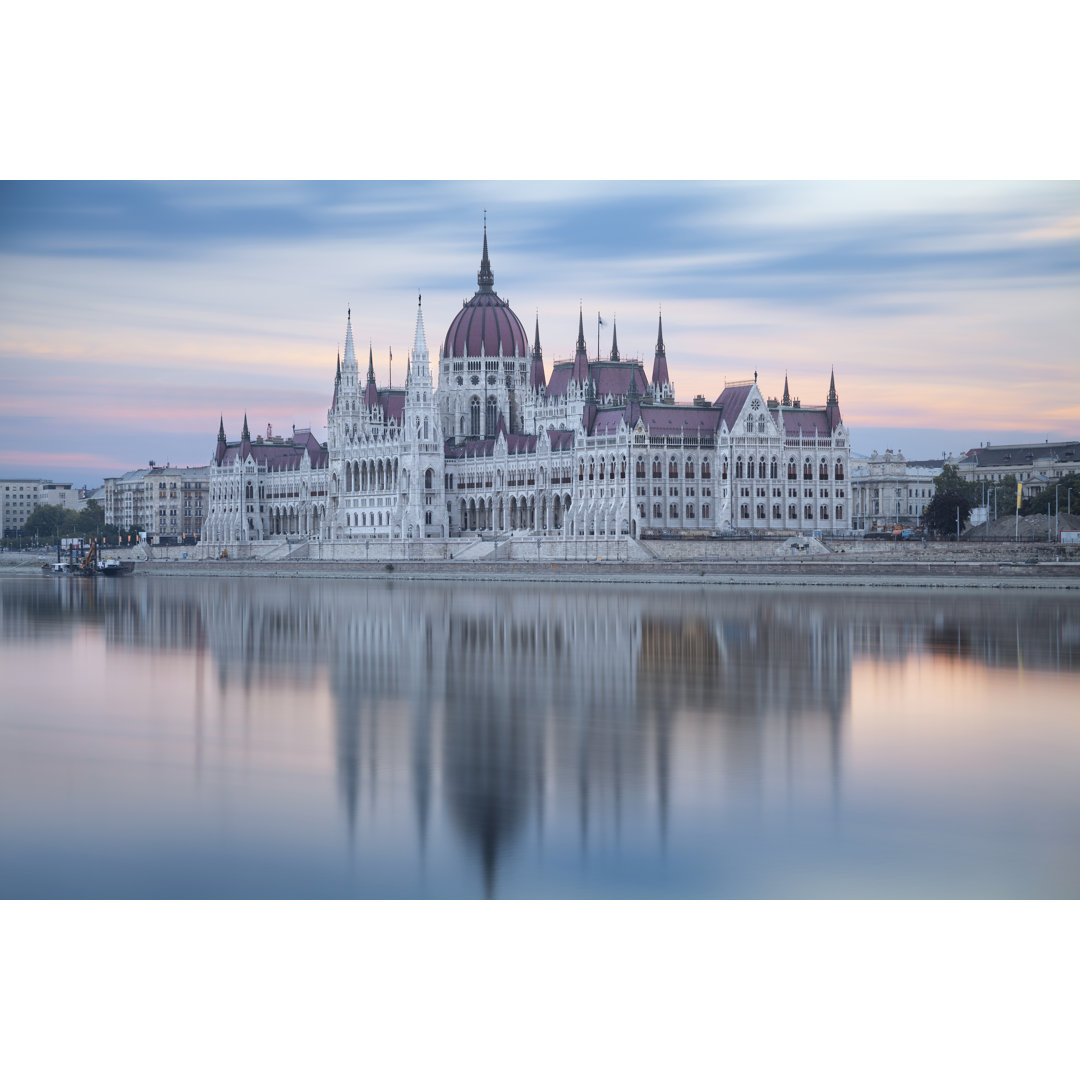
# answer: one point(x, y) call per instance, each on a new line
point(1019, 491)
point(599, 321)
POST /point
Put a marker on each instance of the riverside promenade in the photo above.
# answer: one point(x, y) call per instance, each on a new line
point(760, 563)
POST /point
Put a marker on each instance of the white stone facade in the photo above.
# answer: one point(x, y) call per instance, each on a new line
point(597, 451)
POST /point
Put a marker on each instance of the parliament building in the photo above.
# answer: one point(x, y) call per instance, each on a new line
point(501, 446)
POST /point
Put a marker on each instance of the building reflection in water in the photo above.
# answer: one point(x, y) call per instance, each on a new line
point(497, 713)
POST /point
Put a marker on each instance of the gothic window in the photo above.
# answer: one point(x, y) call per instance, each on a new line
point(639, 469)
point(656, 469)
point(839, 513)
point(839, 469)
point(474, 416)
point(738, 468)
point(823, 470)
point(673, 470)
point(791, 469)
point(492, 415)
point(808, 471)
point(772, 469)
point(428, 477)
point(750, 469)
point(705, 511)
point(689, 471)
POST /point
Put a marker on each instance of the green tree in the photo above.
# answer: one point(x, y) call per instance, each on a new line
point(1044, 502)
point(952, 495)
point(46, 522)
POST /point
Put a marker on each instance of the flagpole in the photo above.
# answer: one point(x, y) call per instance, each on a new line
point(598, 335)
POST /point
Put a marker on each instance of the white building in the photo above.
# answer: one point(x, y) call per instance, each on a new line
point(596, 450)
point(888, 490)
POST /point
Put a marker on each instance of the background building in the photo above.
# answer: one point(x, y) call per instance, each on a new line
point(888, 490)
point(1036, 465)
point(163, 501)
point(20, 498)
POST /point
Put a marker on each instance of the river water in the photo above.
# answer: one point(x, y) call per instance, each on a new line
point(166, 737)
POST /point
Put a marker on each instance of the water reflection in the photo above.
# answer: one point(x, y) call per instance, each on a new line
point(522, 721)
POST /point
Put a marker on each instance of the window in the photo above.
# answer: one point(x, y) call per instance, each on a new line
point(792, 512)
point(776, 511)
point(656, 510)
point(474, 417)
point(760, 511)
point(705, 511)
point(839, 513)
point(744, 511)
point(674, 510)
point(656, 469)
point(689, 472)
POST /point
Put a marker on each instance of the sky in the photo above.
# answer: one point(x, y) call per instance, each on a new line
point(134, 315)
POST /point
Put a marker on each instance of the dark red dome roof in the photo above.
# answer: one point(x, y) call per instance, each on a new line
point(486, 322)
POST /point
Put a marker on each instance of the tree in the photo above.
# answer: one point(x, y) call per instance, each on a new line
point(1044, 502)
point(952, 495)
point(46, 521)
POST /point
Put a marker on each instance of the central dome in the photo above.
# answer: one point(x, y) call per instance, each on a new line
point(485, 324)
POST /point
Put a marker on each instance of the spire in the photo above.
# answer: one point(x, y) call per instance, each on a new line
point(221, 430)
point(832, 404)
point(786, 399)
point(537, 378)
point(245, 435)
point(614, 341)
point(337, 377)
point(350, 353)
point(222, 446)
point(660, 376)
point(581, 356)
point(371, 392)
point(420, 341)
point(485, 279)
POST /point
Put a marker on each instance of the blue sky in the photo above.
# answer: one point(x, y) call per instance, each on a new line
point(132, 315)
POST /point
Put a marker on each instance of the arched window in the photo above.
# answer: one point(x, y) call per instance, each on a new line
point(492, 416)
point(750, 469)
point(791, 473)
point(706, 469)
point(738, 468)
point(591, 468)
point(823, 470)
point(428, 477)
point(689, 470)
point(807, 470)
point(639, 469)
point(474, 416)
point(839, 469)
point(656, 473)
point(773, 469)
point(673, 470)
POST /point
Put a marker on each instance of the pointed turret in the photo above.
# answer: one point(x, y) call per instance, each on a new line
point(581, 355)
point(219, 453)
point(420, 340)
point(349, 368)
point(485, 279)
point(786, 399)
point(245, 435)
point(661, 382)
point(371, 391)
point(537, 378)
point(832, 403)
point(614, 341)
